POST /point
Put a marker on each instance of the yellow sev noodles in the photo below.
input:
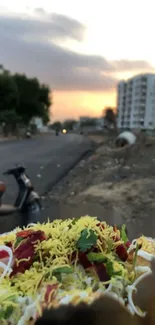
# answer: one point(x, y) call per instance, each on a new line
point(62, 236)
point(148, 245)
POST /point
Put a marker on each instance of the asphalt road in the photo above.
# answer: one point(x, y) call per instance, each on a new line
point(45, 157)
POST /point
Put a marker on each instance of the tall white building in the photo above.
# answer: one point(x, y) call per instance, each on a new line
point(136, 102)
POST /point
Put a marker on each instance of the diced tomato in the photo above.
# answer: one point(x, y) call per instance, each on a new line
point(50, 292)
point(102, 272)
point(127, 244)
point(122, 252)
point(84, 260)
point(24, 233)
point(73, 256)
point(25, 253)
point(3, 254)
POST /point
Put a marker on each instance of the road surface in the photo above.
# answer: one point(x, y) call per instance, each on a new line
point(46, 158)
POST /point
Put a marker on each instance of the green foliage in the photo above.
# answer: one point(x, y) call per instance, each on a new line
point(69, 124)
point(63, 269)
point(123, 234)
point(87, 240)
point(9, 95)
point(97, 257)
point(101, 258)
point(5, 314)
point(34, 99)
point(56, 125)
point(9, 115)
point(89, 122)
point(110, 117)
point(22, 98)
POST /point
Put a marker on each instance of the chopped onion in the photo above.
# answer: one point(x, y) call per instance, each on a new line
point(132, 246)
point(109, 288)
point(28, 314)
point(145, 255)
point(142, 269)
point(8, 266)
point(31, 225)
point(103, 291)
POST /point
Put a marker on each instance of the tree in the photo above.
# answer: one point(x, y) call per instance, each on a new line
point(56, 125)
point(9, 120)
point(69, 124)
point(110, 117)
point(9, 95)
point(88, 122)
point(34, 98)
point(22, 98)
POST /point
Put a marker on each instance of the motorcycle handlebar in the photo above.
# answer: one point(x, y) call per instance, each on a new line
point(15, 171)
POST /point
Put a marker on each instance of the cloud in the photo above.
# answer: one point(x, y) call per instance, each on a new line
point(63, 26)
point(28, 46)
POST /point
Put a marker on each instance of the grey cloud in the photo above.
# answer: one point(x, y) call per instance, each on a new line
point(63, 26)
point(24, 49)
point(28, 46)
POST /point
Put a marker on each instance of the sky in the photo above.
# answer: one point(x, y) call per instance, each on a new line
point(80, 48)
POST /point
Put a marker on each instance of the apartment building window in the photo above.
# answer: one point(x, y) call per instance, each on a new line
point(144, 79)
point(143, 87)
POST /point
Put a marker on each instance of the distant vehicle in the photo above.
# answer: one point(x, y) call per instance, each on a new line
point(57, 132)
point(28, 135)
point(64, 131)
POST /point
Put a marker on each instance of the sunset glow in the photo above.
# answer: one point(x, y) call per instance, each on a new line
point(75, 104)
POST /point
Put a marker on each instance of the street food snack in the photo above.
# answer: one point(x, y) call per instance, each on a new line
point(66, 262)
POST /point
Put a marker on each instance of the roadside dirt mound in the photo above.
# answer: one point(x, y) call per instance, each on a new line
point(117, 181)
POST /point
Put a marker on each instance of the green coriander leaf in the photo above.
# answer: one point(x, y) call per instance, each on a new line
point(18, 240)
point(96, 257)
point(123, 234)
point(8, 312)
point(60, 270)
point(110, 269)
point(87, 240)
point(63, 269)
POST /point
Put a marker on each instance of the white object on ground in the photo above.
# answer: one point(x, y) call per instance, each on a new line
point(129, 137)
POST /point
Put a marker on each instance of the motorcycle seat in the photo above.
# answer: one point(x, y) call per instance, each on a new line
point(6, 209)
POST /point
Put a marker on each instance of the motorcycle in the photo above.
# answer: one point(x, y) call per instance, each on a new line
point(27, 204)
point(57, 132)
point(28, 135)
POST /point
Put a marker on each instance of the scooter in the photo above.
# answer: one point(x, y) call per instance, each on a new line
point(27, 203)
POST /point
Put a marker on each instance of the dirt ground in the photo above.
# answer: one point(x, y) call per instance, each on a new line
point(115, 184)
